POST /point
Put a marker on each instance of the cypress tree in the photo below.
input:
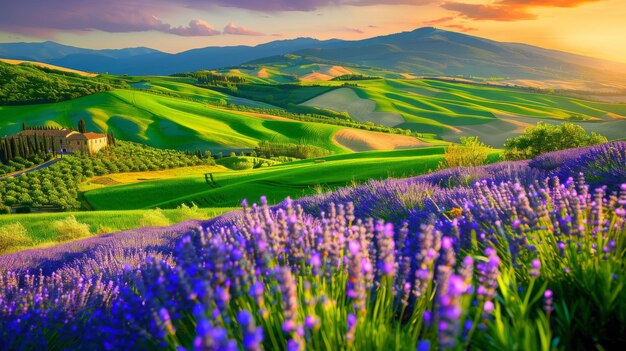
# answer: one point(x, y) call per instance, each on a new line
point(46, 144)
point(23, 148)
point(9, 151)
point(15, 147)
point(3, 146)
point(81, 126)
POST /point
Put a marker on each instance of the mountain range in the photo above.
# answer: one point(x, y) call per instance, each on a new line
point(424, 51)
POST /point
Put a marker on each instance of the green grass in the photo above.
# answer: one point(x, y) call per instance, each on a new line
point(444, 108)
point(184, 87)
point(167, 122)
point(293, 179)
point(38, 225)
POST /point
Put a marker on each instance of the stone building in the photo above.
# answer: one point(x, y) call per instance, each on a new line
point(70, 141)
point(86, 143)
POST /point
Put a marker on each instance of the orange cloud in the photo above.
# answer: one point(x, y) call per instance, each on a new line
point(438, 21)
point(460, 28)
point(508, 10)
point(546, 3)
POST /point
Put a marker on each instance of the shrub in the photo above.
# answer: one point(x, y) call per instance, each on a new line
point(470, 152)
point(190, 212)
point(5, 209)
point(154, 218)
point(105, 229)
point(14, 235)
point(241, 165)
point(70, 229)
point(300, 151)
point(544, 138)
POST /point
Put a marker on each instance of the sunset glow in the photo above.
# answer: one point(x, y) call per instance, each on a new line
point(588, 27)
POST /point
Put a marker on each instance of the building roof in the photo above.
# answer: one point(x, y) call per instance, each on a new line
point(90, 135)
point(48, 132)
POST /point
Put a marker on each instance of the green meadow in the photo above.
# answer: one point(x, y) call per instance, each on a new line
point(293, 179)
point(39, 225)
point(168, 122)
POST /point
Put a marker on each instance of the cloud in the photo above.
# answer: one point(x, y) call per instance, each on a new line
point(353, 30)
point(234, 29)
point(196, 28)
point(548, 3)
point(489, 12)
point(438, 21)
point(508, 10)
point(460, 28)
point(305, 5)
point(44, 18)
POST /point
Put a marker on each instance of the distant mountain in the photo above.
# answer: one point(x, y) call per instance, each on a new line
point(48, 51)
point(424, 51)
point(431, 51)
point(144, 61)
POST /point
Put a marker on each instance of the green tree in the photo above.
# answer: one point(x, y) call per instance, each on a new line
point(545, 137)
point(470, 152)
point(82, 128)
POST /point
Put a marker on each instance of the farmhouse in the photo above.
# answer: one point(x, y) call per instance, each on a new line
point(86, 143)
point(66, 140)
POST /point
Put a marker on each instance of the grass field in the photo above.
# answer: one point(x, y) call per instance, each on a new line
point(293, 179)
point(39, 225)
point(450, 108)
point(167, 122)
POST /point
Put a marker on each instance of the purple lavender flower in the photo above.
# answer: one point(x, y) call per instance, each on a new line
point(535, 267)
point(252, 335)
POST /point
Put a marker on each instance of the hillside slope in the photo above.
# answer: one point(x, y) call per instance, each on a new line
point(424, 51)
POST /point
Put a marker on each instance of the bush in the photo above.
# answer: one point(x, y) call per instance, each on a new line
point(300, 151)
point(471, 152)
point(104, 229)
point(241, 165)
point(70, 229)
point(5, 209)
point(14, 235)
point(154, 218)
point(190, 212)
point(544, 138)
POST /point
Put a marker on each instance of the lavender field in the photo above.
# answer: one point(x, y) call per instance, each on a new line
point(525, 255)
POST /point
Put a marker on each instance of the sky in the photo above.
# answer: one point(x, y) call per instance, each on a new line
point(589, 27)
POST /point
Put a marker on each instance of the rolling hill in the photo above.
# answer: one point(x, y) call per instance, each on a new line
point(424, 51)
point(293, 179)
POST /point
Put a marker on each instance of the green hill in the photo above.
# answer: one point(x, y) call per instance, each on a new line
point(453, 109)
point(168, 122)
point(293, 179)
point(28, 83)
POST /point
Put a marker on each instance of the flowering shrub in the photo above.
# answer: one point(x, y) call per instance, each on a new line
point(536, 266)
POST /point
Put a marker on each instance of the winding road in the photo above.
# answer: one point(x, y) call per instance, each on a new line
point(32, 169)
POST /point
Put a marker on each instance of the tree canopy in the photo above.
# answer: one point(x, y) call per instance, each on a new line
point(545, 137)
point(27, 84)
